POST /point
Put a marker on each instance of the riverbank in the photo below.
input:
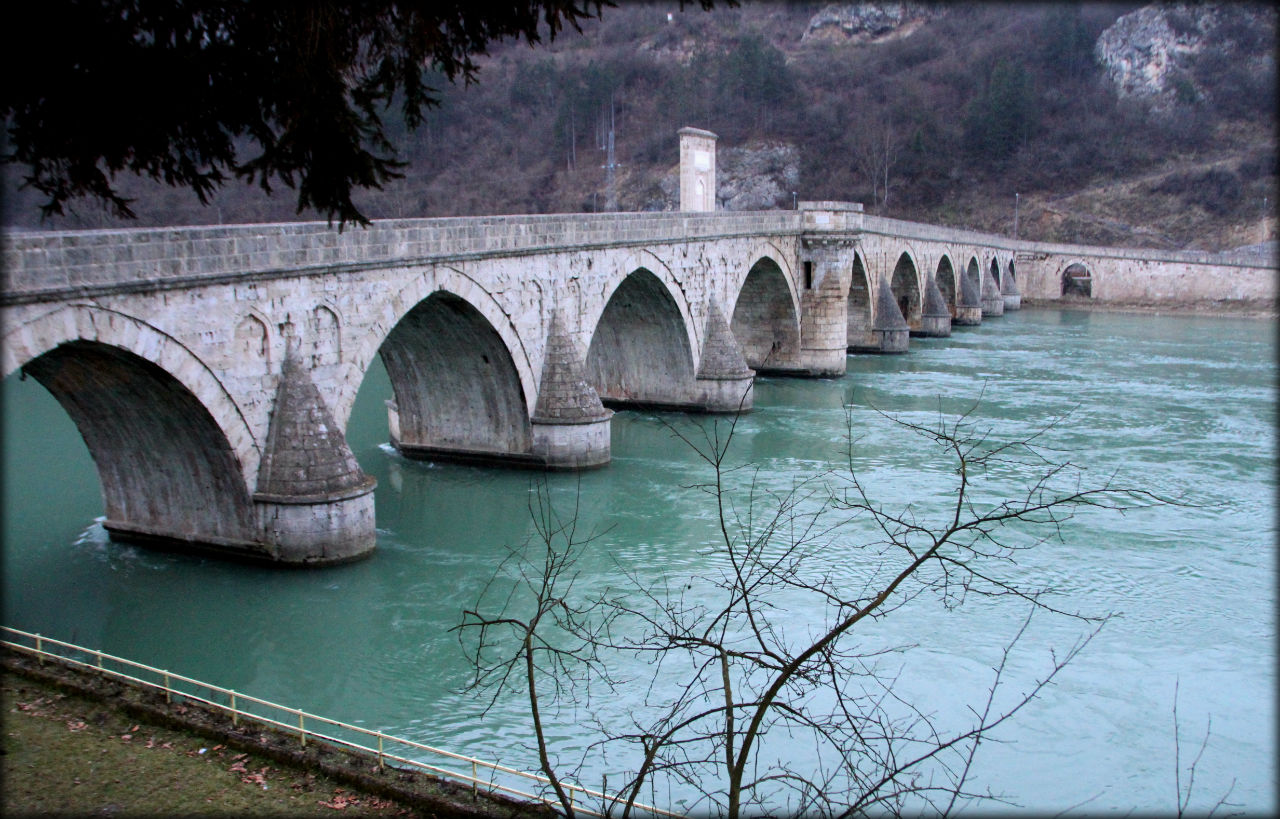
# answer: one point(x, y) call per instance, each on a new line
point(1216, 309)
point(76, 743)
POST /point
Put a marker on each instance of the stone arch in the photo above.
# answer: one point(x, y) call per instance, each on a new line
point(419, 288)
point(766, 319)
point(859, 308)
point(948, 283)
point(639, 350)
point(1076, 280)
point(743, 264)
point(154, 420)
point(457, 391)
point(995, 269)
point(80, 322)
point(324, 335)
point(619, 266)
point(907, 294)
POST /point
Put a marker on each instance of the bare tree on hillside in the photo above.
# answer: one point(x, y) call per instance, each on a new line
point(875, 153)
point(734, 689)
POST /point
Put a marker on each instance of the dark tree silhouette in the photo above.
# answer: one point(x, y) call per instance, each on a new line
point(195, 93)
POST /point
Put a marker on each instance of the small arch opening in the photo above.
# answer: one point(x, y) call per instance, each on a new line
point(1077, 281)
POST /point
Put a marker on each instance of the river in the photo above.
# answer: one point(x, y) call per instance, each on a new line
point(1182, 406)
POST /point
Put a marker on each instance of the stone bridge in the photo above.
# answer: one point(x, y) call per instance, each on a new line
point(212, 370)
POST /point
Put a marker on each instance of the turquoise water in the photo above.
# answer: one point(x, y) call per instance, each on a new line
point(1181, 406)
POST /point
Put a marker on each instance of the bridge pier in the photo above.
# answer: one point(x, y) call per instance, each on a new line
point(992, 301)
point(571, 427)
point(1009, 291)
point(824, 305)
point(724, 382)
point(969, 307)
point(935, 318)
point(889, 327)
point(314, 504)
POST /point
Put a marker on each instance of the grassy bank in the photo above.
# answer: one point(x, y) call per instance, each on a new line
point(74, 744)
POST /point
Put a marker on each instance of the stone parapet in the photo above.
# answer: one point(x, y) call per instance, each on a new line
point(56, 264)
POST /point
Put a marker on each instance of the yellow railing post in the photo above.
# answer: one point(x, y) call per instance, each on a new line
point(168, 691)
point(475, 782)
point(234, 716)
point(40, 649)
point(380, 752)
point(302, 731)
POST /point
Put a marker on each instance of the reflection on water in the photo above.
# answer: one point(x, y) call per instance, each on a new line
point(1182, 406)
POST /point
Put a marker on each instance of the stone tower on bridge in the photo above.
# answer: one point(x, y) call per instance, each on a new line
point(697, 170)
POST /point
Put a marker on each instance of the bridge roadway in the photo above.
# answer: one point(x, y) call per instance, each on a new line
point(212, 370)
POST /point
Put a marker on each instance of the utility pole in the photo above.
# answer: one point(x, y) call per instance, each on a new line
point(611, 190)
point(1015, 216)
point(573, 140)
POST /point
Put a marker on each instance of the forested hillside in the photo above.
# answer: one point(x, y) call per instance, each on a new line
point(938, 113)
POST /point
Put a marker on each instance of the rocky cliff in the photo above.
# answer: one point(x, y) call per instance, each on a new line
point(1158, 53)
point(867, 22)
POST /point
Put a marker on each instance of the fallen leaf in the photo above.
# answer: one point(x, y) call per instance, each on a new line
point(339, 802)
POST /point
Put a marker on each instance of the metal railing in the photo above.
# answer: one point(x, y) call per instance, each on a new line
point(381, 747)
